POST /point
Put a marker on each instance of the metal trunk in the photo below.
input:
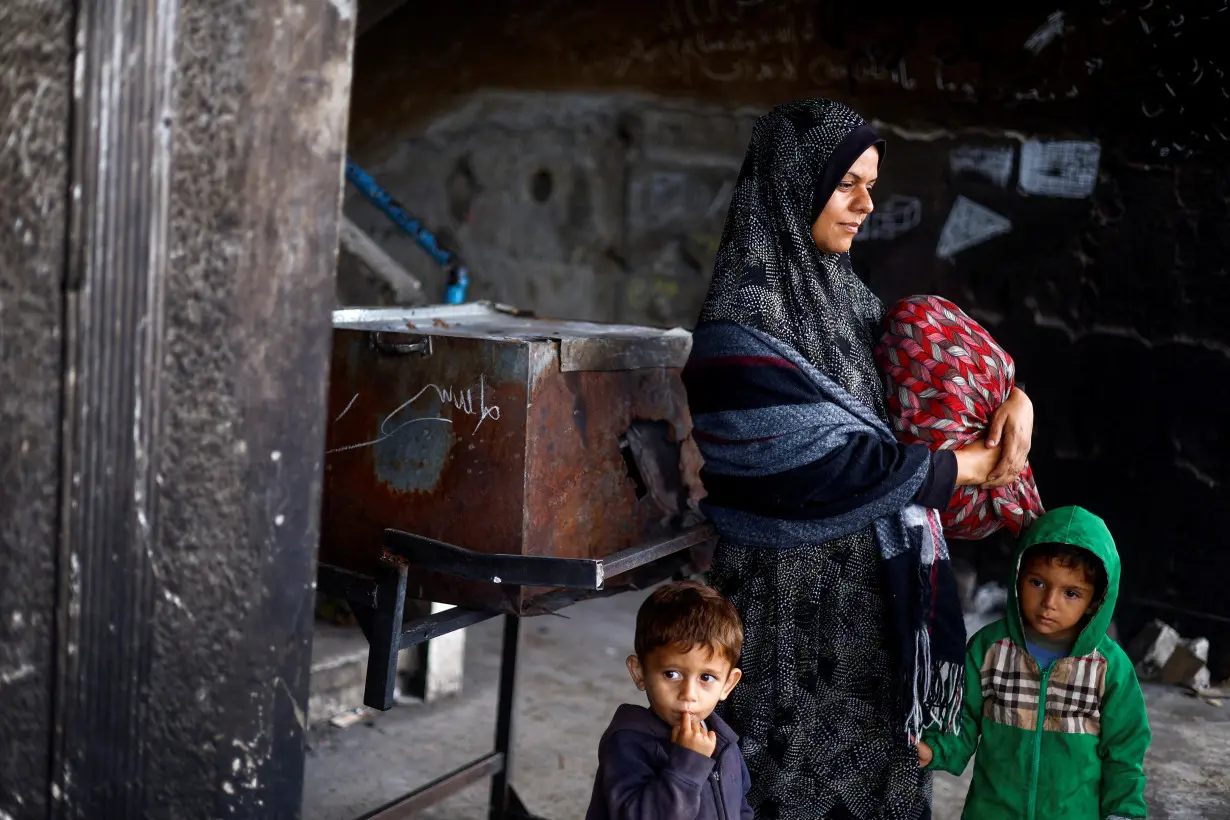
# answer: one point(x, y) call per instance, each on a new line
point(500, 433)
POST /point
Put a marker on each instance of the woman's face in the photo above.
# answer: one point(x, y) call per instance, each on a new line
point(849, 205)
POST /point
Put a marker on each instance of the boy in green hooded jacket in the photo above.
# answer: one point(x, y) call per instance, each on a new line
point(1082, 755)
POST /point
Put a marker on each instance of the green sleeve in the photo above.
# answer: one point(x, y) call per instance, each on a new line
point(952, 751)
point(1125, 738)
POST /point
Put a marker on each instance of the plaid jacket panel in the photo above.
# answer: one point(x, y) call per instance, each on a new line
point(1074, 695)
point(1011, 683)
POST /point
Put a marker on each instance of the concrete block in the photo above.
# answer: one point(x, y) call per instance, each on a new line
point(989, 599)
point(1186, 665)
point(1152, 648)
point(445, 662)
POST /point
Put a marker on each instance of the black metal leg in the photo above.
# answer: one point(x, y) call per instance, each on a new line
point(505, 711)
point(516, 809)
point(384, 638)
point(379, 606)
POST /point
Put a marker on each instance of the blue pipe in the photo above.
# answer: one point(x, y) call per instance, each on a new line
point(459, 275)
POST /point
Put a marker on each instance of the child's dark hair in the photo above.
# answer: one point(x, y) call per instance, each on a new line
point(688, 614)
point(1073, 557)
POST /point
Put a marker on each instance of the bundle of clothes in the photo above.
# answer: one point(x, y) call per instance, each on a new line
point(944, 378)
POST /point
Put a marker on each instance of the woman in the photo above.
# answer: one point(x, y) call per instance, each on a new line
point(829, 546)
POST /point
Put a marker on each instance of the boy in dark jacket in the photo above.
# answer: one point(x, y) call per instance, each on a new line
point(676, 760)
point(1052, 704)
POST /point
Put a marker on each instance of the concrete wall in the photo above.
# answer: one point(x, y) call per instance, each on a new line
point(1060, 174)
point(584, 206)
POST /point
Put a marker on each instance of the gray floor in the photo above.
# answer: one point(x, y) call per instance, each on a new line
point(571, 679)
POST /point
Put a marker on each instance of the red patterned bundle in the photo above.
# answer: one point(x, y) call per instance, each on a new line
point(944, 378)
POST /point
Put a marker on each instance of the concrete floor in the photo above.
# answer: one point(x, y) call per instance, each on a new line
point(571, 679)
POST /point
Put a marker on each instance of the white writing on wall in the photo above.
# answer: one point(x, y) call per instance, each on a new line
point(1064, 168)
point(759, 50)
point(896, 216)
point(969, 224)
point(992, 162)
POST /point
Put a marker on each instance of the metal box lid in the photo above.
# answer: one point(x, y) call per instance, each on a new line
point(582, 345)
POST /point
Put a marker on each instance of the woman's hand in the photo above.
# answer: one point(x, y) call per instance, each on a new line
point(925, 755)
point(1013, 424)
point(975, 461)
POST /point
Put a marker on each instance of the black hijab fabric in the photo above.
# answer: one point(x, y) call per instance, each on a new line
point(770, 275)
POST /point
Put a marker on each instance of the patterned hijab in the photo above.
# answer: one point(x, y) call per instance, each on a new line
point(770, 275)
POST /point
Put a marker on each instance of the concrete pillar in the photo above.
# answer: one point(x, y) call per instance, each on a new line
point(169, 239)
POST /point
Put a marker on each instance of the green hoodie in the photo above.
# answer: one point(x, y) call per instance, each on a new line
point(1085, 759)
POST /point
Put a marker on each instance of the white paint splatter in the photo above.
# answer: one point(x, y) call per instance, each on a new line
point(1197, 473)
point(1045, 33)
point(300, 716)
point(1063, 168)
point(934, 134)
point(177, 602)
point(896, 216)
point(994, 162)
point(969, 224)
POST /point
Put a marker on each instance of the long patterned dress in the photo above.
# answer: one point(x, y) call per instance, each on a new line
point(817, 708)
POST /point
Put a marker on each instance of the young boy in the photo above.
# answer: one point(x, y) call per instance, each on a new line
point(1055, 701)
point(676, 760)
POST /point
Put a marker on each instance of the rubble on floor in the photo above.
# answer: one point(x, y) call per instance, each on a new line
point(1161, 654)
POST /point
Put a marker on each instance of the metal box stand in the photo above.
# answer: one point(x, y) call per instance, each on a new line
point(379, 604)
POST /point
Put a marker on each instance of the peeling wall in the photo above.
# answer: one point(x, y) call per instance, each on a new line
point(1061, 174)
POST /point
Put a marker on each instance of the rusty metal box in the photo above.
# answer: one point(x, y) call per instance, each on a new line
point(501, 433)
